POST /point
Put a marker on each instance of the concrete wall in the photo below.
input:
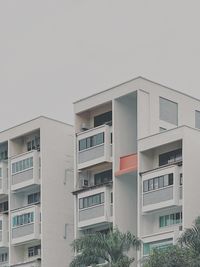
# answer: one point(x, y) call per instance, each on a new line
point(191, 160)
point(56, 187)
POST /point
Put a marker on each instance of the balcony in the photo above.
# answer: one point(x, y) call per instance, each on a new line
point(159, 240)
point(161, 188)
point(94, 146)
point(95, 207)
point(26, 225)
point(25, 170)
point(128, 164)
point(4, 178)
point(4, 231)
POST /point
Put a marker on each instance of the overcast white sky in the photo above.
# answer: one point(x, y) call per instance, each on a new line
point(53, 52)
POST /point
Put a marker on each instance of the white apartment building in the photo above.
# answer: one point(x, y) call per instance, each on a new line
point(36, 204)
point(137, 162)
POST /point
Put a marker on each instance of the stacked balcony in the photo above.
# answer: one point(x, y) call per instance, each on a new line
point(95, 207)
point(25, 171)
point(26, 225)
point(161, 188)
point(94, 146)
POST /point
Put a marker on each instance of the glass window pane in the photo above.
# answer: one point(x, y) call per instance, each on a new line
point(162, 221)
point(197, 119)
point(155, 181)
point(13, 168)
point(100, 138)
point(80, 203)
point(166, 180)
point(178, 217)
point(161, 182)
point(82, 144)
point(171, 180)
point(146, 249)
point(150, 184)
point(145, 186)
point(102, 118)
point(85, 203)
point(168, 111)
point(31, 162)
point(167, 220)
point(172, 219)
point(181, 179)
point(102, 198)
point(88, 142)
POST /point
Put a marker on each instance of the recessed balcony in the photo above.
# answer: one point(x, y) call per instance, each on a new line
point(95, 207)
point(25, 170)
point(161, 188)
point(26, 225)
point(94, 146)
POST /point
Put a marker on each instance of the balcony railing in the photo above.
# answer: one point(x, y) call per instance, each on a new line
point(25, 170)
point(25, 231)
point(96, 153)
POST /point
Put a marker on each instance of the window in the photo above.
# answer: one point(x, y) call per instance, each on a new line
point(34, 143)
point(168, 111)
point(22, 165)
point(155, 183)
point(91, 141)
point(103, 118)
point(4, 206)
point(103, 177)
point(111, 197)
point(23, 219)
point(197, 119)
point(170, 219)
point(4, 257)
point(181, 179)
point(4, 155)
point(148, 247)
point(145, 186)
point(90, 201)
point(34, 251)
point(158, 182)
point(34, 198)
point(170, 157)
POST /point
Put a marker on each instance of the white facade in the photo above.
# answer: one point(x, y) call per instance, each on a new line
point(36, 204)
point(138, 143)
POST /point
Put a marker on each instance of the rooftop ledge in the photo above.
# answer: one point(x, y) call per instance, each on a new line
point(128, 164)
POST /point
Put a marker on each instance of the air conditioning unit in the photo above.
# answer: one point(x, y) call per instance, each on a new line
point(84, 183)
point(84, 127)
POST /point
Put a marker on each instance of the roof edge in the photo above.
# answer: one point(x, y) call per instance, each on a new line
point(137, 78)
point(34, 119)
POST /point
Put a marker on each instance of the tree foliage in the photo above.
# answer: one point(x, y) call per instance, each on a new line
point(111, 247)
point(185, 254)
